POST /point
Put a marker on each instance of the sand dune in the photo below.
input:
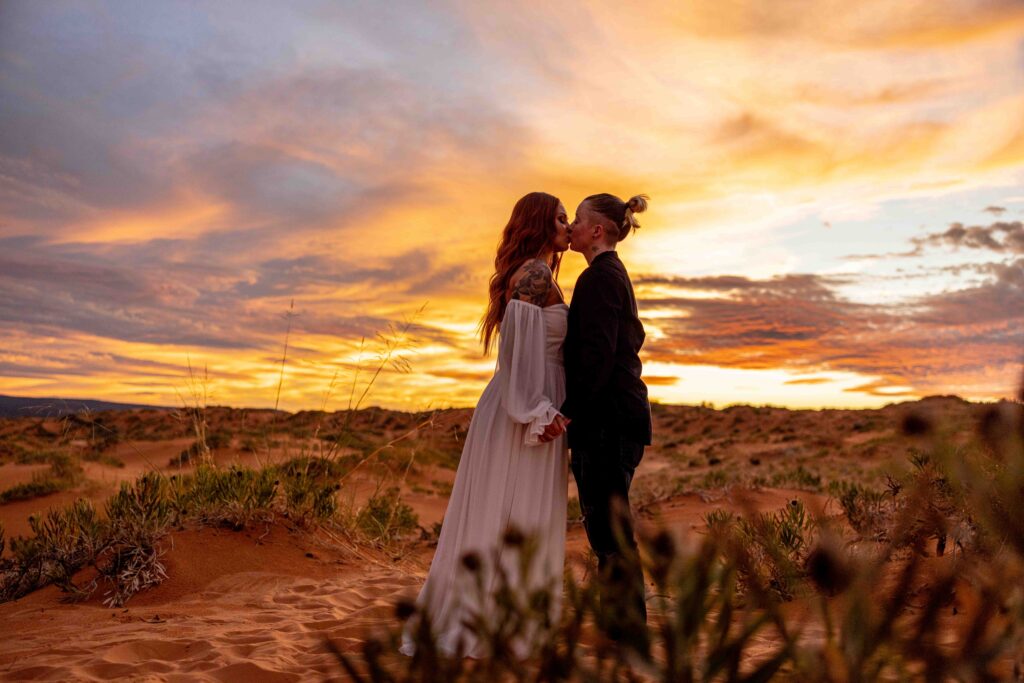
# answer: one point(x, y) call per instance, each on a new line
point(257, 605)
point(236, 608)
point(233, 609)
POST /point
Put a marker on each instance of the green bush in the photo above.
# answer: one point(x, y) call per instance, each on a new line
point(125, 546)
point(385, 517)
point(232, 497)
point(309, 493)
point(218, 439)
point(64, 473)
point(776, 546)
point(865, 509)
point(799, 478)
point(73, 537)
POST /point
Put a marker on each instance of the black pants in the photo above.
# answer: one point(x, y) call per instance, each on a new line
point(603, 469)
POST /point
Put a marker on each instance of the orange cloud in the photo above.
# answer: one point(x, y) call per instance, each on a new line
point(161, 204)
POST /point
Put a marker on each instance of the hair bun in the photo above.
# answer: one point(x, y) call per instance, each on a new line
point(638, 204)
point(635, 204)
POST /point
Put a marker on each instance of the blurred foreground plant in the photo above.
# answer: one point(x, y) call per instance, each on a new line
point(780, 594)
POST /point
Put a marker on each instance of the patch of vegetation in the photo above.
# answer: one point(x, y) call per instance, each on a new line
point(385, 517)
point(202, 448)
point(712, 608)
point(64, 473)
point(864, 508)
point(447, 458)
point(234, 497)
point(718, 608)
point(777, 544)
point(13, 450)
point(716, 479)
point(124, 546)
point(798, 477)
point(187, 455)
point(442, 488)
point(309, 491)
point(348, 439)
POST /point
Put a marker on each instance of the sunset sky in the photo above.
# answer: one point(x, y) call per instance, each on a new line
point(837, 192)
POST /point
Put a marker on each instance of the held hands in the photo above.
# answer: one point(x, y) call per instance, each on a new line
point(554, 429)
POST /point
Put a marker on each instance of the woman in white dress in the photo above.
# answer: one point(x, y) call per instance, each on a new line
point(513, 473)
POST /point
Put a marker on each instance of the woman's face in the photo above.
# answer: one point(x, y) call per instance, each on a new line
point(561, 242)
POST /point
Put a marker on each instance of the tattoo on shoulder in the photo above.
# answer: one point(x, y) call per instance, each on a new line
point(534, 285)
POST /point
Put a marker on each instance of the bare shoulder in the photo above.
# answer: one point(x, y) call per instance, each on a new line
point(532, 283)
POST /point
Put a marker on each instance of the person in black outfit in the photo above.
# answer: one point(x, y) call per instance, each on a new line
point(606, 401)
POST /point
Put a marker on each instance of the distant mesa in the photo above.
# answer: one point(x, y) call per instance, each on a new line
point(941, 398)
point(19, 406)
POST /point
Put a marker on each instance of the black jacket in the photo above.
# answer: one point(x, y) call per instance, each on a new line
point(602, 362)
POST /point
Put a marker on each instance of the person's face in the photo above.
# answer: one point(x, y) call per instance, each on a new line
point(584, 229)
point(561, 242)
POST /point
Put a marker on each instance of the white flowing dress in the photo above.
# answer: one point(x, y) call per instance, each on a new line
point(506, 479)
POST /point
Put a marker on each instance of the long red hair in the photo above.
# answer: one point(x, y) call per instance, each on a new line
point(530, 232)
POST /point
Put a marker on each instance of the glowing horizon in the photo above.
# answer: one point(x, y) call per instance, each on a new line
point(836, 215)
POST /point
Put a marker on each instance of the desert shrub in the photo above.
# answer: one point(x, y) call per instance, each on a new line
point(42, 484)
point(442, 457)
point(218, 439)
point(200, 449)
point(867, 510)
point(23, 571)
point(384, 517)
point(134, 565)
point(346, 438)
point(442, 487)
point(72, 537)
point(715, 479)
point(125, 547)
point(917, 508)
point(318, 467)
point(138, 516)
point(193, 451)
point(310, 497)
point(29, 456)
point(708, 622)
point(64, 473)
point(798, 477)
point(690, 636)
point(233, 497)
point(777, 544)
point(102, 437)
point(718, 520)
point(64, 542)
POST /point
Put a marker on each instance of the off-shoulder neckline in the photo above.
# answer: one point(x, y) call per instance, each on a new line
point(543, 308)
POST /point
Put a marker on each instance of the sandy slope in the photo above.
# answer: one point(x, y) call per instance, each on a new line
point(233, 609)
point(237, 608)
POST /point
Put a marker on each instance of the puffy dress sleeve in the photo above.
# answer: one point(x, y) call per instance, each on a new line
point(521, 369)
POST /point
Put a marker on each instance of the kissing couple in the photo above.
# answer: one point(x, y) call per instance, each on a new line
point(567, 379)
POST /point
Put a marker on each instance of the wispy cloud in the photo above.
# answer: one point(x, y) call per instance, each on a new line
point(171, 180)
point(1001, 237)
point(965, 340)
